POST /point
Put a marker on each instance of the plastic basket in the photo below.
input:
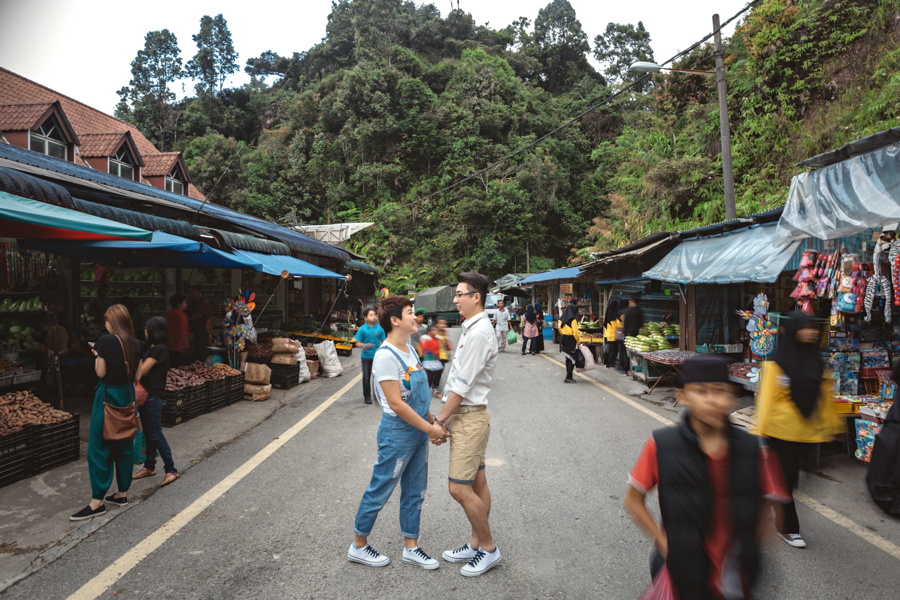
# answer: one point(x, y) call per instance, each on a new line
point(45, 435)
point(15, 465)
point(27, 377)
point(172, 417)
point(12, 443)
point(173, 399)
point(55, 454)
point(139, 448)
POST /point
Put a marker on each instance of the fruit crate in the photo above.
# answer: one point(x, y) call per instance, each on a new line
point(16, 454)
point(15, 442)
point(285, 377)
point(215, 386)
point(46, 435)
point(173, 417)
point(173, 399)
point(234, 388)
point(56, 454)
point(218, 400)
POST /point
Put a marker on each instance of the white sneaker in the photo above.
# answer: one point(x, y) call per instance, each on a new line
point(460, 555)
point(793, 539)
point(481, 563)
point(368, 556)
point(417, 557)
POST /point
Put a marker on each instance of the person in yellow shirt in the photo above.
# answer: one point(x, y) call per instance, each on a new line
point(794, 410)
point(610, 323)
point(569, 338)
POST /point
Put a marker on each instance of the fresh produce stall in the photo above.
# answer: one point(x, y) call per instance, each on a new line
point(658, 365)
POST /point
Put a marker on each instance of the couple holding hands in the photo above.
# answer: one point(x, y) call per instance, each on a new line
point(407, 426)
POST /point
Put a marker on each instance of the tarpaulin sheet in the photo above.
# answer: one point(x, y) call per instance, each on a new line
point(554, 275)
point(844, 198)
point(745, 255)
point(274, 264)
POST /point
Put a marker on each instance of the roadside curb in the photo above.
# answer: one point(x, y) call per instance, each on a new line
point(55, 550)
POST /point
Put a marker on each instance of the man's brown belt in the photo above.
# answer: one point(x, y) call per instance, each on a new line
point(469, 409)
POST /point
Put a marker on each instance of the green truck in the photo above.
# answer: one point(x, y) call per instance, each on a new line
point(438, 304)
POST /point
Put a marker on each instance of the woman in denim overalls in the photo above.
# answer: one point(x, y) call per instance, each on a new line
point(402, 446)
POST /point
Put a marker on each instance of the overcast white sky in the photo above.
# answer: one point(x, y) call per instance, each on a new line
point(84, 49)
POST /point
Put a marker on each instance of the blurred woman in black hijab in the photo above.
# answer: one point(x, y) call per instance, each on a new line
point(883, 478)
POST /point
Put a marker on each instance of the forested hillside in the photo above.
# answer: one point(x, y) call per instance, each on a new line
point(399, 101)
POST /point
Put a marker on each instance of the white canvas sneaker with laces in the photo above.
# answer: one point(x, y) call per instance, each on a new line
point(481, 563)
point(460, 555)
point(793, 539)
point(417, 556)
point(368, 556)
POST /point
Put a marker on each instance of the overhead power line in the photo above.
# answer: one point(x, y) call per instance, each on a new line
point(570, 121)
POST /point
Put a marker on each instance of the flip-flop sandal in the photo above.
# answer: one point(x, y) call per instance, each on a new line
point(169, 478)
point(143, 473)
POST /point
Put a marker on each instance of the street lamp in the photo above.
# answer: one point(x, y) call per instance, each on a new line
point(727, 171)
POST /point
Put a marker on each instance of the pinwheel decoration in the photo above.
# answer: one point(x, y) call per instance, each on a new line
point(753, 375)
point(762, 330)
point(246, 304)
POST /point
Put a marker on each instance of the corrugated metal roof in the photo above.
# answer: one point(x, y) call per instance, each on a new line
point(136, 219)
point(240, 241)
point(854, 148)
point(25, 186)
point(358, 265)
point(294, 240)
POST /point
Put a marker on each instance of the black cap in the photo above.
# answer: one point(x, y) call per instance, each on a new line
point(705, 368)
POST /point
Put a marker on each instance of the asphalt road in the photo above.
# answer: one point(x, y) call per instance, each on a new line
point(557, 466)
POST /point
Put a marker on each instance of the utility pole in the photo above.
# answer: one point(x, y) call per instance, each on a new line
point(730, 212)
point(527, 259)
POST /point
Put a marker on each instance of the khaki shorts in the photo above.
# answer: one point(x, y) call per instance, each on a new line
point(470, 433)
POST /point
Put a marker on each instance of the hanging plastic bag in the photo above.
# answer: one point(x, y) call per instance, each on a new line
point(661, 588)
point(512, 338)
point(588, 359)
point(304, 366)
point(331, 365)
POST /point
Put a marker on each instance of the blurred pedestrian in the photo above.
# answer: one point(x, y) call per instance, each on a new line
point(530, 329)
point(199, 314)
point(501, 325)
point(401, 387)
point(431, 358)
point(179, 333)
point(569, 338)
point(794, 411)
point(883, 478)
point(154, 368)
point(713, 479)
point(369, 337)
point(611, 322)
point(632, 321)
point(138, 319)
point(118, 367)
point(444, 337)
point(539, 340)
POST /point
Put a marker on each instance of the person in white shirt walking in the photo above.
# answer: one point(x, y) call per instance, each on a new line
point(501, 325)
point(466, 416)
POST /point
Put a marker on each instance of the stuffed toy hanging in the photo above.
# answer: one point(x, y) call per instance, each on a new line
point(762, 330)
point(894, 259)
point(878, 279)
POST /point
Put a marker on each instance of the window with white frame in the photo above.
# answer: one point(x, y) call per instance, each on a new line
point(121, 164)
point(174, 182)
point(48, 139)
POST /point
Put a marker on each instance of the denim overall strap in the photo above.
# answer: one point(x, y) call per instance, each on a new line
point(420, 394)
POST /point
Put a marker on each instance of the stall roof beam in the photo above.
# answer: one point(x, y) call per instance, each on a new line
point(136, 219)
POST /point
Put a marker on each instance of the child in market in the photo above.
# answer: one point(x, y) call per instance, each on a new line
point(431, 352)
point(444, 338)
point(713, 479)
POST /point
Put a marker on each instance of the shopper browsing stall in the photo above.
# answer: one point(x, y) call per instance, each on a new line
point(569, 338)
point(199, 314)
point(611, 322)
point(154, 368)
point(794, 411)
point(530, 330)
point(632, 321)
point(369, 337)
point(539, 340)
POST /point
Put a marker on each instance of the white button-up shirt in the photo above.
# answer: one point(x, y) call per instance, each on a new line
point(473, 362)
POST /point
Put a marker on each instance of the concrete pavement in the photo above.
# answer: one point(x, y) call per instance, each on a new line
point(557, 465)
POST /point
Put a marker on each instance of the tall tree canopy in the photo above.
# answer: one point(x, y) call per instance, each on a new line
point(216, 58)
point(619, 47)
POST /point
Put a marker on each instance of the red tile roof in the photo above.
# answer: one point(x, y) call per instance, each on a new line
point(100, 144)
point(159, 163)
point(17, 89)
point(21, 116)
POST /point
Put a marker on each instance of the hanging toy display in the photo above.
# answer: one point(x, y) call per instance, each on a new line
point(894, 259)
point(235, 328)
point(762, 329)
point(878, 280)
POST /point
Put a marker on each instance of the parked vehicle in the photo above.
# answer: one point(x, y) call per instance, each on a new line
point(438, 304)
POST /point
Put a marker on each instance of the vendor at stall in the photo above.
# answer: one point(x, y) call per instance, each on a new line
point(100, 303)
point(199, 314)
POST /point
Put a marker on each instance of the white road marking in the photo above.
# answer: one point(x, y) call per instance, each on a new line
point(99, 584)
point(833, 516)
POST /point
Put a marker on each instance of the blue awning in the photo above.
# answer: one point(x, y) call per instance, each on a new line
point(358, 265)
point(556, 274)
point(734, 257)
point(163, 250)
point(274, 264)
point(609, 281)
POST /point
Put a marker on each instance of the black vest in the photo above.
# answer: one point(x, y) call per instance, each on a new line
point(686, 503)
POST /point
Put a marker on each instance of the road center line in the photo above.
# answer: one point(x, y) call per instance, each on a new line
point(99, 584)
point(833, 516)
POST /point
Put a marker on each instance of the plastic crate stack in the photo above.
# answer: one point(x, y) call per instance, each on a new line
point(234, 388)
point(55, 445)
point(198, 400)
point(217, 394)
point(285, 377)
point(15, 456)
point(173, 409)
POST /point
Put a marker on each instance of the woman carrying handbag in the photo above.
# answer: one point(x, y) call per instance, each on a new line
point(114, 413)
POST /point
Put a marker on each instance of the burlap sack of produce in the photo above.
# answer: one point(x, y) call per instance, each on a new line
point(300, 357)
point(285, 345)
point(257, 373)
point(328, 356)
point(254, 393)
point(280, 358)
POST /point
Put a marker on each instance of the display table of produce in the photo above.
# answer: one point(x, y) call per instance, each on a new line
point(745, 374)
point(664, 362)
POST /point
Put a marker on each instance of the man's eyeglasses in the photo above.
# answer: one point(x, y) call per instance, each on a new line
point(461, 294)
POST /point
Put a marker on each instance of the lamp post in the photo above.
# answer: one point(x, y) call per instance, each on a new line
point(724, 127)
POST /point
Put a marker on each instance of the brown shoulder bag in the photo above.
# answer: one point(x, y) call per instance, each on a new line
point(120, 423)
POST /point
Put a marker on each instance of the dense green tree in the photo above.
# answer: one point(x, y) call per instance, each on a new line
point(619, 47)
point(216, 58)
point(562, 47)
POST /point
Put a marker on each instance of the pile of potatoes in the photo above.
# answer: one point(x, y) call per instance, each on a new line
point(18, 409)
point(176, 379)
point(200, 369)
point(226, 370)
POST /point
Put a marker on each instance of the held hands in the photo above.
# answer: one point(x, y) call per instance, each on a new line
point(438, 435)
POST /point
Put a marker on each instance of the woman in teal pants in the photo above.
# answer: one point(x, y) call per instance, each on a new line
point(118, 367)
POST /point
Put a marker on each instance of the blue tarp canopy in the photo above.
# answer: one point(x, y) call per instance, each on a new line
point(733, 257)
point(556, 274)
point(274, 264)
point(163, 250)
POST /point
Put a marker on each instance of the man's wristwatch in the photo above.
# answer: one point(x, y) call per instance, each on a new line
point(441, 423)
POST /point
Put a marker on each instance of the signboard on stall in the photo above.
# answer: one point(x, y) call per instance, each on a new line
point(565, 288)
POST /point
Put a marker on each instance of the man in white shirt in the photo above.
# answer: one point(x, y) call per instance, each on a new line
point(466, 416)
point(501, 325)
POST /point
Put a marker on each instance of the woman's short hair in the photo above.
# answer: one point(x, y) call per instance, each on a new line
point(157, 331)
point(176, 300)
point(392, 306)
